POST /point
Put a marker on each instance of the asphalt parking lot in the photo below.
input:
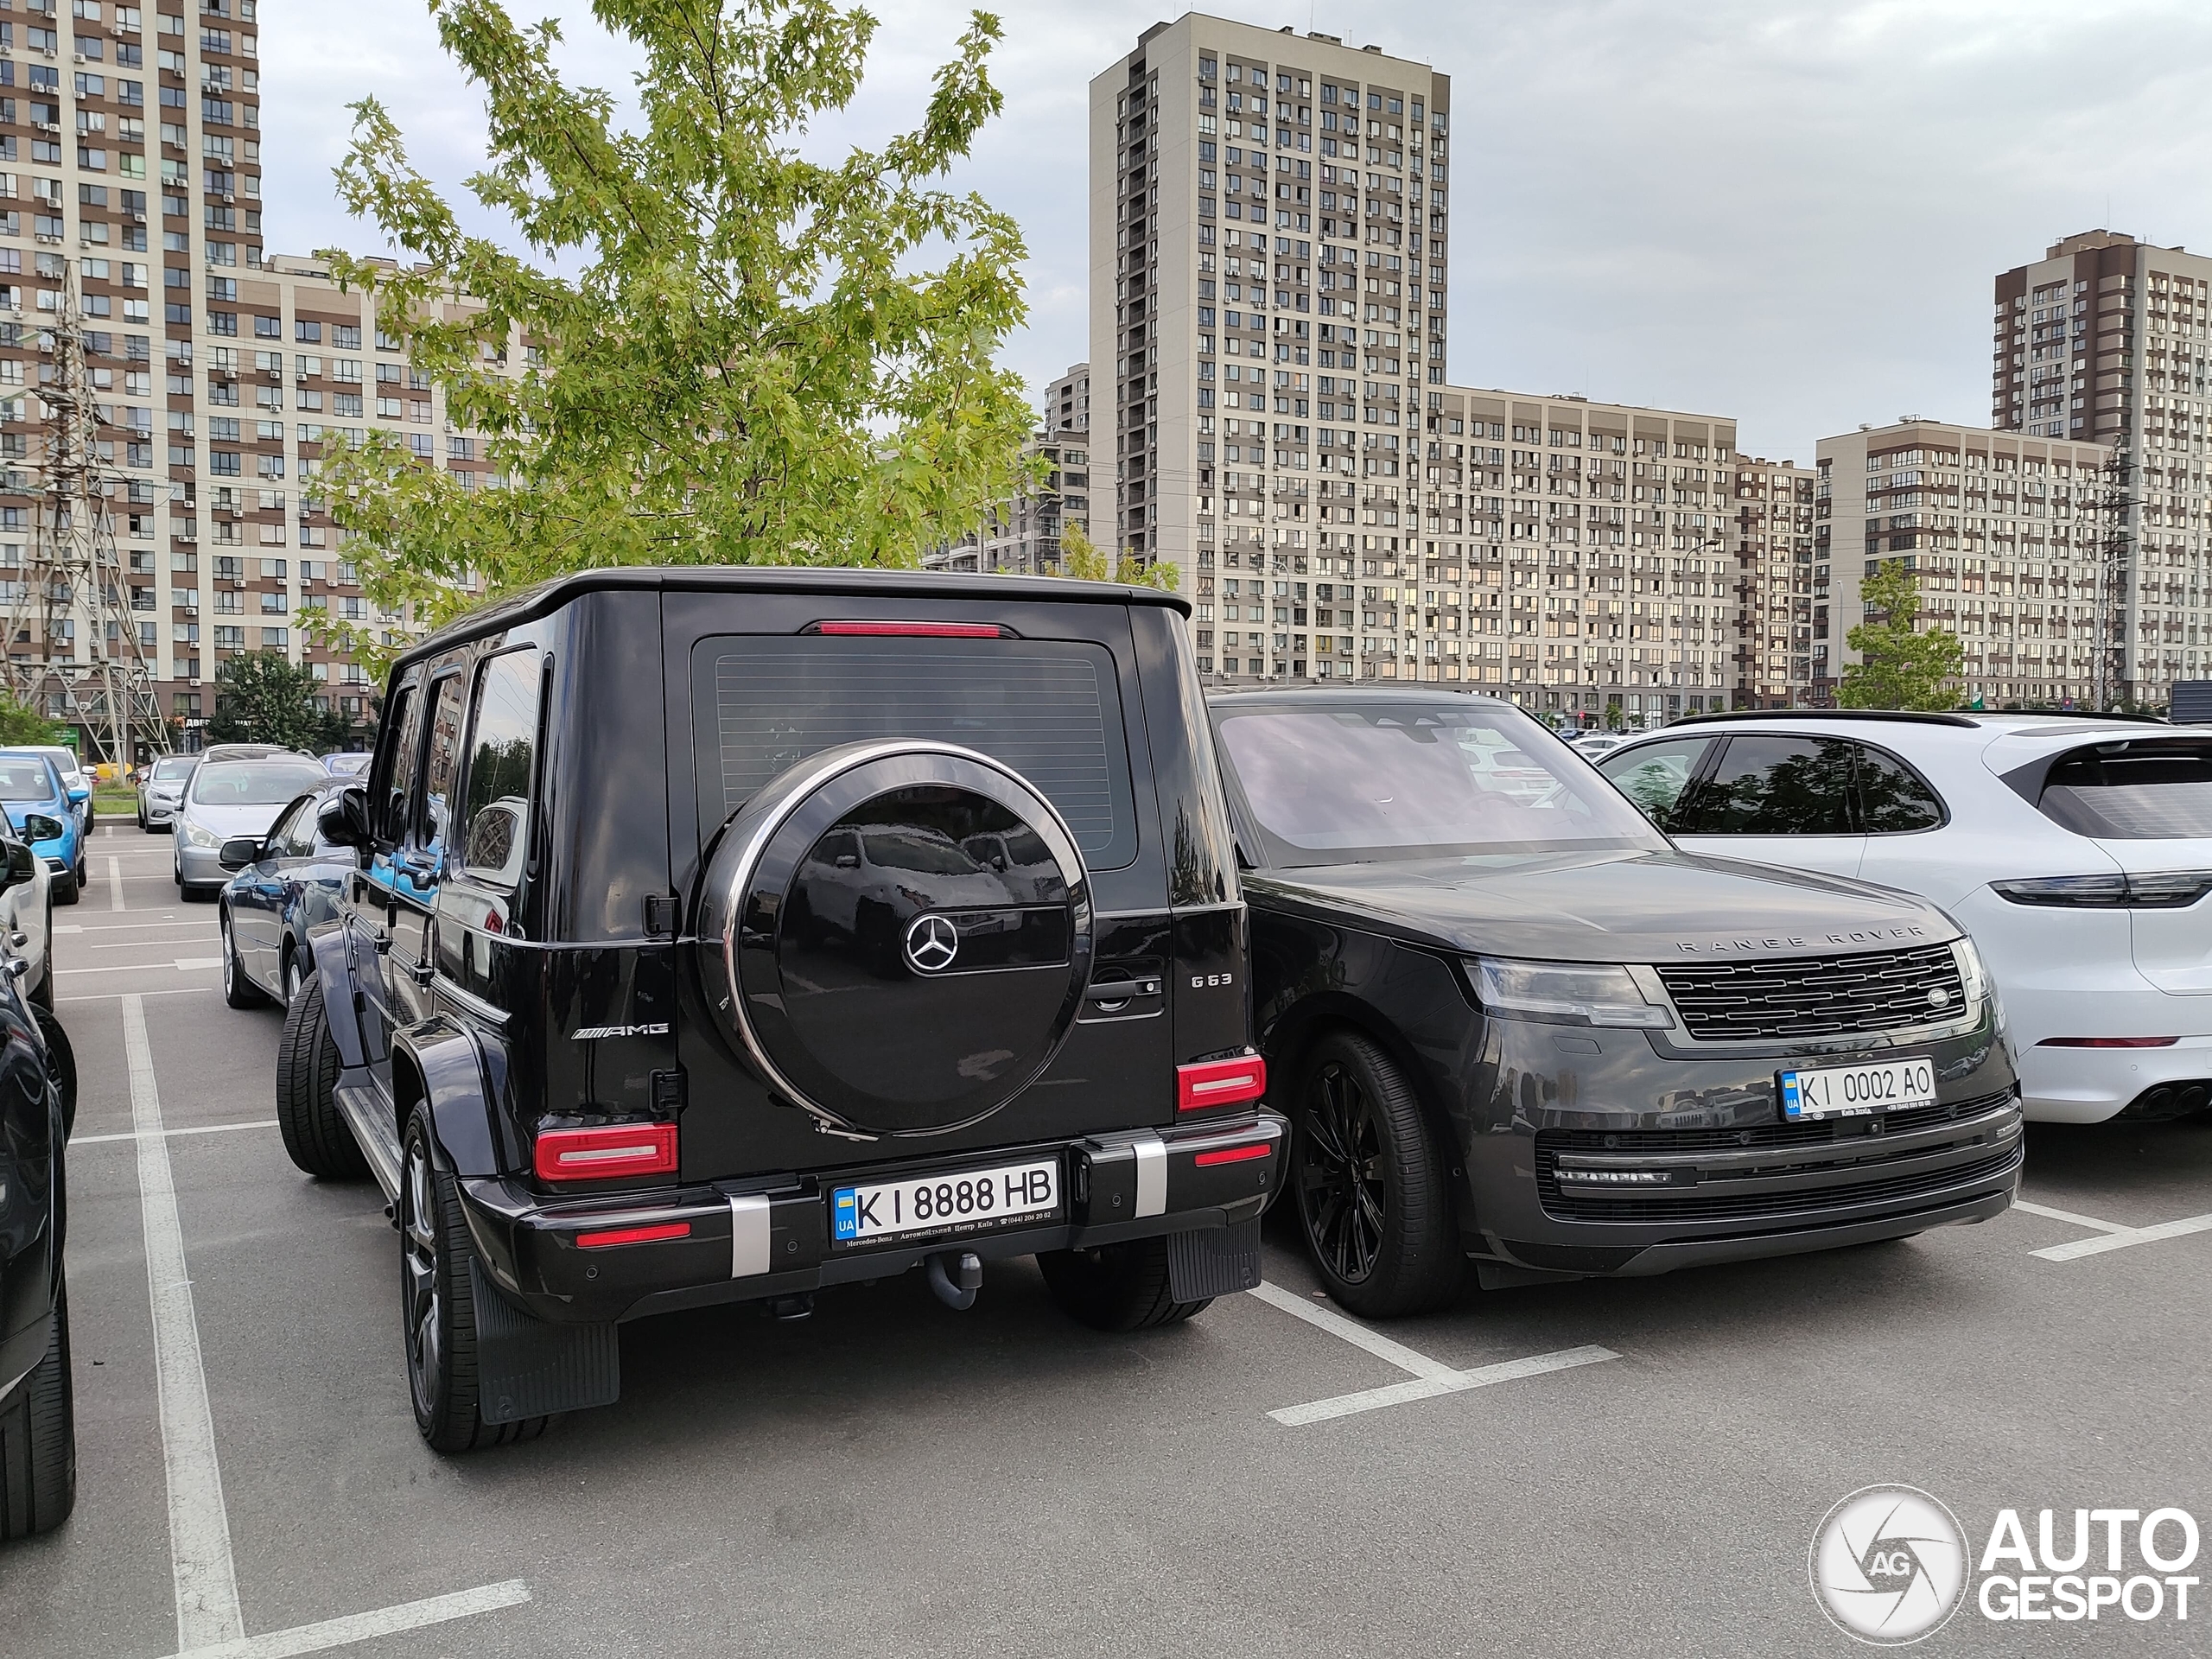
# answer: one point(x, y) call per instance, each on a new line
point(1599, 1468)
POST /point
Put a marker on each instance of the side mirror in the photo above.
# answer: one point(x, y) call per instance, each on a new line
point(38, 827)
point(343, 820)
point(79, 796)
point(21, 866)
point(238, 852)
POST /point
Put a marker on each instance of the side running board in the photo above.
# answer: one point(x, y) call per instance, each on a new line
point(372, 1130)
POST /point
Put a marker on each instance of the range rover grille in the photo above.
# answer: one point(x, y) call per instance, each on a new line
point(1817, 997)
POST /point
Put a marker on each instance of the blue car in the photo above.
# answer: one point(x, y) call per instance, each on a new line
point(43, 810)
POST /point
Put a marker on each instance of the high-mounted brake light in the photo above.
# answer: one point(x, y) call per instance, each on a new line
point(609, 1152)
point(1234, 1154)
point(2108, 1042)
point(1220, 1082)
point(917, 630)
point(614, 1235)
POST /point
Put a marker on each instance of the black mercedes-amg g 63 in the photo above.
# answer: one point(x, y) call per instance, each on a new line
point(722, 935)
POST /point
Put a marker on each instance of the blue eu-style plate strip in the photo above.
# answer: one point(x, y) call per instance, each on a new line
point(1791, 1105)
point(847, 1213)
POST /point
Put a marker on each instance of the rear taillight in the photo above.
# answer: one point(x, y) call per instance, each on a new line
point(1234, 1154)
point(917, 630)
point(2141, 890)
point(2108, 1042)
point(607, 1238)
point(1220, 1082)
point(606, 1154)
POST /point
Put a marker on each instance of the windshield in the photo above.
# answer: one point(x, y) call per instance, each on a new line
point(175, 765)
point(1363, 780)
point(254, 783)
point(24, 778)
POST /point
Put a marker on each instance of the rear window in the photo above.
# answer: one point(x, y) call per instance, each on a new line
point(2131, 794)
point(1049, 710)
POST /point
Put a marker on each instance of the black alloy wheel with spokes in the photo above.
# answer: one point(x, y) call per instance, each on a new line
point(1374, 1199)
point(438, 1307)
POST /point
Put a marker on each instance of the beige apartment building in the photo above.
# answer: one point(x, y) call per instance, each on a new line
point(2006, 532)
point(139, 188)
point(1268, 237)
point(2105, 341)
point(1021, 536)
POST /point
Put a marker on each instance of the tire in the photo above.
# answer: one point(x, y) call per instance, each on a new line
point(1374, 1198)
point(61, 1065)
point(238, 991)
point(1117, 1286)
point(438, 1309)
point(317, 1138)
point(38, 1439)
point(63, 889)
point(43, 997)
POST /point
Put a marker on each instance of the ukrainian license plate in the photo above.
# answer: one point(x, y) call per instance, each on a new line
point(968, 1201)
point(1857, 1090)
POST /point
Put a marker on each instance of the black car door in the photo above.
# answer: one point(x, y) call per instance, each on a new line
point(410, 964)
point(258, 901)
point(369, 895)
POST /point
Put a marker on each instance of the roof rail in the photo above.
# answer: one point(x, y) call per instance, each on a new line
point(2077, 713)
point(1911, 716)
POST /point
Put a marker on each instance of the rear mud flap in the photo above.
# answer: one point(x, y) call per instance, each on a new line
point(1218, 1261)
point(528, 1367)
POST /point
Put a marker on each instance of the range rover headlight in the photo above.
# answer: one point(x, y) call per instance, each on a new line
point(200, 836)
point(1564, 994)
point(1975, 978)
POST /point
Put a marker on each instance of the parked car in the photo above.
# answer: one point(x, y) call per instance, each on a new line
point(593, 1020)
point(1531, 1032)
point(27, 916)
point(284, 895)
point(43, 809)
point(74, 778)
point(160, 791)
point(347, 765)
point(38, 1447)
point(250, 752)
point(2076, 849)
point(1594, 744)
point(226, 799)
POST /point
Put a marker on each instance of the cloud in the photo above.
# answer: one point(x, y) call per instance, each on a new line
point(1784, 211)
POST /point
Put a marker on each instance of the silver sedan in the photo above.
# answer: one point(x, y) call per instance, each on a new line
point(233, 797)
point(160, 791)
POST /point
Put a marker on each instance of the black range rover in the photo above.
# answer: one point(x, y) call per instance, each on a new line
point(725, 935)
point(1510, 1022)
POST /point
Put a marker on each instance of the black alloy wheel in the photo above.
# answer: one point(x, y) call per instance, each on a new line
point(1373, 1195)
point(438, 1307)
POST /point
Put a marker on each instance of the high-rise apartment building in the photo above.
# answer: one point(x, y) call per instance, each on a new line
point(1067, 401)
point(218, 373)
point(2105, 341)
point(2006, 533)
point(1021, 535)
point(1772, 535)
point(1268, 236)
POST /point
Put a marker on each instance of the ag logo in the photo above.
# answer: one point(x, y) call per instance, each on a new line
point(932, 942)
point(1889, 1564)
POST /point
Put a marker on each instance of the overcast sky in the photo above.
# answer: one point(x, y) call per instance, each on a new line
point(1786, 210)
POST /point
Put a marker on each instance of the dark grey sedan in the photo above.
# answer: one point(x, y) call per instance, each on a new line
point(285, 893)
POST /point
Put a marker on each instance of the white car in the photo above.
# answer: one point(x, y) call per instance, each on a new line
point(1591, 745)
point(2076, 851)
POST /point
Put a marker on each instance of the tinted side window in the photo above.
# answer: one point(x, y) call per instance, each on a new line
point(1774, 786)
point(1655, 775)
point(495, 833)
point(433, 807)
point(2151, 793)
point(389, 805)
point(294, 834)
point(1893, 798)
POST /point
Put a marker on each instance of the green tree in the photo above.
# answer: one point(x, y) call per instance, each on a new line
point(262, 697)
point(749, 363)
point(1899, 667)
point(1081, 558)
point(21, 723)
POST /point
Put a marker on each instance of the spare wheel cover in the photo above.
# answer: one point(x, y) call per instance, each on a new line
point(899, 933)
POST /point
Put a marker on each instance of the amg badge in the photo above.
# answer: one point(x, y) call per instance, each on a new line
point(586, 1033)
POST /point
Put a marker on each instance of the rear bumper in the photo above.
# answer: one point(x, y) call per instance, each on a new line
point(746, 1240)
point(2087, 1085)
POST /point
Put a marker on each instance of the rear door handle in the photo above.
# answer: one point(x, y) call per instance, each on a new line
point(1121, 991)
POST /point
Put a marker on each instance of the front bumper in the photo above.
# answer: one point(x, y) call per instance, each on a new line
point(746, 1240)
point(200, 866)
point(160, 811)
point(1740, 1182)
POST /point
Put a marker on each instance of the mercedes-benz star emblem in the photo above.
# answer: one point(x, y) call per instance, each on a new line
point(931, 944)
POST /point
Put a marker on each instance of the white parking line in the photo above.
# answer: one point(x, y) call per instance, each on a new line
point(109, 996)
point(200, 1529)
point(2124, 1237)
point(203, 1129)
point(2068, 1216)
point(115, 882)
point(362, 1627)
point(181, 963)
point(1430, 1377)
